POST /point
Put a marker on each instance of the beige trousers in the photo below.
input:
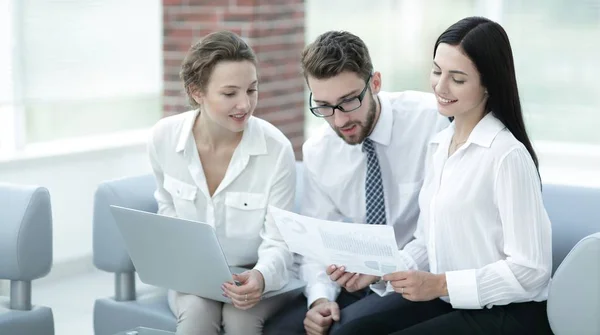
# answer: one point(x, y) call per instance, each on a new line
point(199, 316)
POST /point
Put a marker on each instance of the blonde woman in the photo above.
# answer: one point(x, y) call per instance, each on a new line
point(220, 165)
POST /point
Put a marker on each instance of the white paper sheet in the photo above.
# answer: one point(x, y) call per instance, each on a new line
point(362, 248)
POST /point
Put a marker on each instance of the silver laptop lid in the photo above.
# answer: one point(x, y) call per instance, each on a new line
point(174, 253)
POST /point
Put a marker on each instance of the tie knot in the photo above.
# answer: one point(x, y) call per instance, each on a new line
point(368, 146)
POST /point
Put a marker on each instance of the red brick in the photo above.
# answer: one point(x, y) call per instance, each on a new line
point(279, 73)
point(208, 3)
point(282, 117)
point(281, 92)
point(264, 30)
point(279, 2)
point(247, 2)
point(267, 39)
point(175, 45)
point(268, 100)
point(212, 10)
point(171, 62)
point(171, 77)
point(240, 10)
point(174, 93)
point(202, 31)
point(173, 2)
point(275, 47)
point(174, 55)
point(290, 85)
point(239, 17)
point(196, 17)
point(292, 128)
point(179, 33)
point(273, 18)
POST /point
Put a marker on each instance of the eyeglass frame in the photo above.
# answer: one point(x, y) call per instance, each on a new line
point(360, 98)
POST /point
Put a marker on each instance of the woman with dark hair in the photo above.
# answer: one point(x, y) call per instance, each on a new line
point(481, 259)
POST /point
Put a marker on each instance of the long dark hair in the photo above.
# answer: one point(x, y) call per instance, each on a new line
point(485, 42)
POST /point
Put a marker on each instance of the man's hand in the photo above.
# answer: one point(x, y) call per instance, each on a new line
point(418, 285)
point(249, 292)
point(320, 317)
point(352, 282)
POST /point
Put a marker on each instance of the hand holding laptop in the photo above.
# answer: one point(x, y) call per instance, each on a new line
point(154, 241)
point(249, 291)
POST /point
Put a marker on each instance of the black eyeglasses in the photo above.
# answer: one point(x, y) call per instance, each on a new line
point(345, 106)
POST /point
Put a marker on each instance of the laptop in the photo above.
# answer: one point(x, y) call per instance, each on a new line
point(181, 255)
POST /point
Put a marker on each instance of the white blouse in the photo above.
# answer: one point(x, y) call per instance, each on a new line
point(483, 221)
point(261, 173)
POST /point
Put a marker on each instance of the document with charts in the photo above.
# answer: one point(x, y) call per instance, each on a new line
point(361, 248)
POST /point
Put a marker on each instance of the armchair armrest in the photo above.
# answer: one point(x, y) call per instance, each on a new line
point(109, 250)
point(25, 239)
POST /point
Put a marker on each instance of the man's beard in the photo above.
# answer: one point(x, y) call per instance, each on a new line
point(366, 127)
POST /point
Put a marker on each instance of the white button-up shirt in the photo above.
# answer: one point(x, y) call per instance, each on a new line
point(483, 221)
point(335, 174)
point(261, 173)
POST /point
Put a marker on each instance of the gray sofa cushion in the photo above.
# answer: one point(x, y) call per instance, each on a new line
point(151, 310)
point(574, 297)
point(38, 321)
point(25, 232)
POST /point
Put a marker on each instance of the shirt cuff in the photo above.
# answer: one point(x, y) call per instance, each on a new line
point(462, 289)
point(406, 262)
point(320, 290)
point(382, 288)
point(272, 281)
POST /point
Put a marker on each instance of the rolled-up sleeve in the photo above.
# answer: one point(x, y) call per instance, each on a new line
point(274, 256)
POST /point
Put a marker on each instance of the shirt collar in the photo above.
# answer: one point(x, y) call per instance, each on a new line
point(253, 140)
point(483, 134)
point(382, 133)
point(486, 130)
point(186, 129)
point(444, 134)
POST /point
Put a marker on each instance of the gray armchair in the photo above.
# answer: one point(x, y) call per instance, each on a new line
point(25, 255)
point(128, 308)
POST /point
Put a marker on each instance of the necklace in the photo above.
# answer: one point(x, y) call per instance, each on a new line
point(456, 144)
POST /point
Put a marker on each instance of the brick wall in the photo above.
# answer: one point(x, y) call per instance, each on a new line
point(273, 28)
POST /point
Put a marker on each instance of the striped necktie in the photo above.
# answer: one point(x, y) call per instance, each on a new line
point(374, 198)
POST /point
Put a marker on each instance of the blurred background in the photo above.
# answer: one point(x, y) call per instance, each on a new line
point(81, 82)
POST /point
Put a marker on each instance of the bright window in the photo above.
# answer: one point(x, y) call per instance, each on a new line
point(78, 68)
